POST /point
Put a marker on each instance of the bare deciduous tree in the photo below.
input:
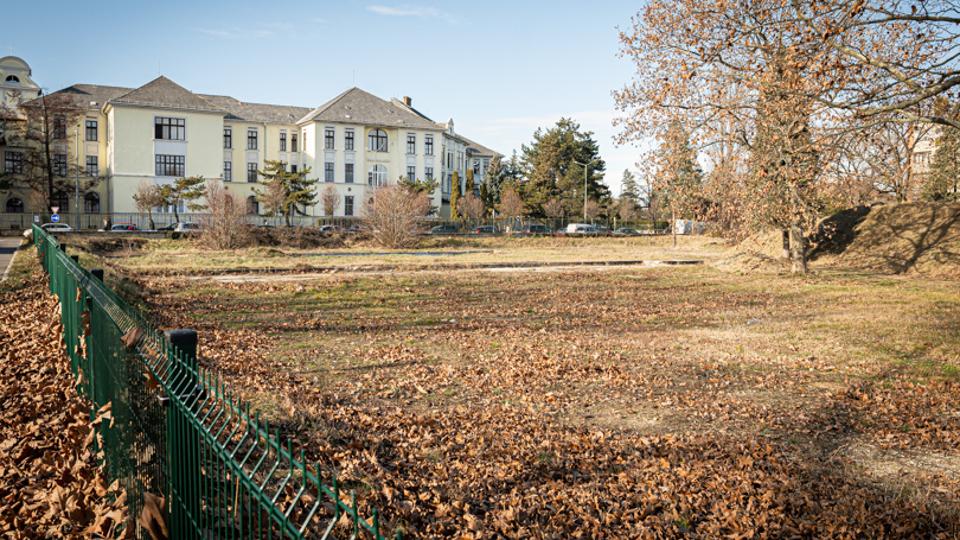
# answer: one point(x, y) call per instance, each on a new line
point(147, 197)
point(225, 227)
point(471, 207)
point(330, 201)
point(393, 214)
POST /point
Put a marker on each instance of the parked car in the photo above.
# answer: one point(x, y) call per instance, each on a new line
point(56, 227)
point(626, 231)
point(534, 228)
point(354, 229)
point(170, 227)
point(581, 229)
point(446, 228)
point(329, 229)
point(187, 227)
point(123, 227)
point(485, 229)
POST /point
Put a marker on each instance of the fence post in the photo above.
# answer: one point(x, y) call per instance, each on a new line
point(183, 437)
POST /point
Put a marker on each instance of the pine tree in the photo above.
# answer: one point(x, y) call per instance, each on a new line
point(186, 191)
point(944, 175)
point(629, 190)
point(455, 197)
point(284, 191)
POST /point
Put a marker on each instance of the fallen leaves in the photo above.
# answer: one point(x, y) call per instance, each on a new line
point(51, 484)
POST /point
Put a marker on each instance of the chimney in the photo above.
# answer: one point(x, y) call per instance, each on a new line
point(407, 101)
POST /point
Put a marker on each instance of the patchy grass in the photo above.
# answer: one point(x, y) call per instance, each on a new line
point(382, 375)
point(165, 256)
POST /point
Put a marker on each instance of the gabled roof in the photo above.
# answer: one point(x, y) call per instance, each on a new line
point(163, 93)
point(479, 149)
point(81, 96)
point(357, 106)
point(257, 112)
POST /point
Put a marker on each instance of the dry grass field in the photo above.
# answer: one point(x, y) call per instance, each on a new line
point(615, 402)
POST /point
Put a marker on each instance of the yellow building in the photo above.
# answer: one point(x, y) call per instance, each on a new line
point(107, 141)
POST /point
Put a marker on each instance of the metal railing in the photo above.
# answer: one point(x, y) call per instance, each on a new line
point(171, 431)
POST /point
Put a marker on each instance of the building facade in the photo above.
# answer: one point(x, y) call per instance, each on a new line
point(107, 141)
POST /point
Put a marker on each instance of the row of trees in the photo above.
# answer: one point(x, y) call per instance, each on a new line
point(793, 106)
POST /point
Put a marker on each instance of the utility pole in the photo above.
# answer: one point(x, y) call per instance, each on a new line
point(585, 176)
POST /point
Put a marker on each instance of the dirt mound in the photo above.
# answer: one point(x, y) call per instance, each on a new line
point(921, 238)
point(902, 238)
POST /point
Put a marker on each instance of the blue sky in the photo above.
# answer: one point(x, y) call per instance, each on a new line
point(499, 68)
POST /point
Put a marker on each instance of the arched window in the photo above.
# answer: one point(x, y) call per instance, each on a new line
point(377, 176)
point(61, 201)
point(253, 206)
point(378, 140)
point(91, 203)
point(13, 78)
point(14, 206)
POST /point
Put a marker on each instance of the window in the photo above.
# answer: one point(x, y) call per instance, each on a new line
point(227, 138)
point(449, 160)
point(348, 205)
point(411, 143)
point(251, 172)
point(251, 139)
point(428, 145)
point(348, 173)
point(93, 167)
point(169, 129)
point(428, 173)
point(61, 201)
point(59, 127)
point(328, 171)
point(476, 166)
point(378, 140)
point(13, 162)
point(293, 142)
point(91, 203)
point(91, 130)
point(228, 171)
point(411, 173)
point(60, 164)
point(293, 168)
point(13, 78)
point(283, 141)
point(167, 165)
point(14, 206)
point(328, 137)
point(253, 206)
point(348, 140)
point(377, 176)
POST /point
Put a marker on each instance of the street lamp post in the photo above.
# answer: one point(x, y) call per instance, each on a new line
point(76, 181)
point(585, 175)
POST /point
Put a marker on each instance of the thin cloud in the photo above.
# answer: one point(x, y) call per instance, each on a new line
point(409, 11)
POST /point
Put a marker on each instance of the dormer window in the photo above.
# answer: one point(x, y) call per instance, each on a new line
point(13, 78)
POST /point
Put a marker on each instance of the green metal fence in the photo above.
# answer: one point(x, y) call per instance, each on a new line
point(171, 431)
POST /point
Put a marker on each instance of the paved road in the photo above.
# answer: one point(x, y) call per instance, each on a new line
point(8, 246)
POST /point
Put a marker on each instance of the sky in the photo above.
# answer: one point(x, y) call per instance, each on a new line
point(500, 69)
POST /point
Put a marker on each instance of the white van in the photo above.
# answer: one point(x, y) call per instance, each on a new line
point(581, 228)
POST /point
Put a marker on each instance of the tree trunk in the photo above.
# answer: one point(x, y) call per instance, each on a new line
point(153, 226)
point(785, 233)
point(176, 213)
point(798, 250)
point(673, 225)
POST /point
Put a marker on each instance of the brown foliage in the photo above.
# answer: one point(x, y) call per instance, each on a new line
point(393, 214)
point(51, 481)
point(225, 227)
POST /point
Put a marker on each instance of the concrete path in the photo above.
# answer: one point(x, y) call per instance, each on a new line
point(8, 246)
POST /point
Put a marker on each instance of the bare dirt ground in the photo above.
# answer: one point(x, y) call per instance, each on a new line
point(628, 402)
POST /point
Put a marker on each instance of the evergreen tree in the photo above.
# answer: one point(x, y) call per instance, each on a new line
point(286, 192)
point(629, 190)
point(184, 191)
point(470, 182)
point(455, 197)
point(551, 168)
point(944, 176)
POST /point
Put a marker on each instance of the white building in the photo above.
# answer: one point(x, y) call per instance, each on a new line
point(161, 131)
